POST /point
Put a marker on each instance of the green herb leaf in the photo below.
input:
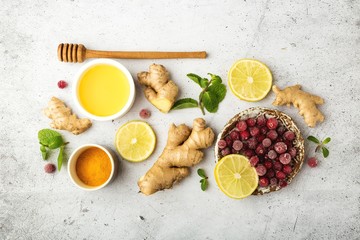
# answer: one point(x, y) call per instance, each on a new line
point(204, 82)
point(43, 152)
point(210, 101)
point(201, 173)
point(325, 152)
point(215, 79)
point(46, 136)
point(327, 140)
point(313, 139)
point(185, 103)
point(60, 157)
point(56, 142)
point(204, 184)
point(195, 78)
point(219, 90)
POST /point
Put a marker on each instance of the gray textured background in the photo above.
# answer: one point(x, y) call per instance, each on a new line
point(314, 43)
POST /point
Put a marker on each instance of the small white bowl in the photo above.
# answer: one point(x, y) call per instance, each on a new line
point(119, 66)
point(72, 167)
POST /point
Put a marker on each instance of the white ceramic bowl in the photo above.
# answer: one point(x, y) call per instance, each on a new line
point(72, 167)
point(119, 66)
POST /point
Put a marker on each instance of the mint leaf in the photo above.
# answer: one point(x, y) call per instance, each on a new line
point(201, 173)
point(210, 101)
point(204, 184)
point(215, 79)
point(219, 90)
point(204, 82)
point(313, 139)
point(46, 136)
point(43, 152)
point(327, 140)
point(195, 78)
point(185, 103)
point(56, 142)
point(325, 152)
point(60, 157)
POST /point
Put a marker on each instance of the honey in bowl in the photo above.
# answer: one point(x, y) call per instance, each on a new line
point(93, 167)
point(103, 90)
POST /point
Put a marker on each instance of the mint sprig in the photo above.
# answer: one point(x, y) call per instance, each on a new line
point(50, 140)
point(213, 92)
point(320, 145)
point(203, 181)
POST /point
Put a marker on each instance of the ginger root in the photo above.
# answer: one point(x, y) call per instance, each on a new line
point(63, 119)
point(180, 153)
point(160, 90)
point(303, 101)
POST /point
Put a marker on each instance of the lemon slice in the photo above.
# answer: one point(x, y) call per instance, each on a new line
point(250, 80)
point(135, 141)
point(235, 176)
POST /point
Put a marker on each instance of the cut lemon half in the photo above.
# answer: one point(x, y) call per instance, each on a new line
point(250, 80)
point(135, 141)
point(235, 176)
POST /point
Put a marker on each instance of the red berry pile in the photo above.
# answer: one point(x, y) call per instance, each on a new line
point(268, 145)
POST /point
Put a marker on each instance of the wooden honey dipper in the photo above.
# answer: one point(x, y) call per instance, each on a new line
point(68, 52)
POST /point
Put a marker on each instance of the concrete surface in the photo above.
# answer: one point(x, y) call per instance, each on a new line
point(314, 43)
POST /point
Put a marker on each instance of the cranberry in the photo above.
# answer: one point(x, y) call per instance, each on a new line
point(268, 164)
point(280, 175)
point(252, 143)
point(273, 181)
point(312, 162)
point(277, 166)
point(49, 168)
point(289, 135)
point(225, 151)
point(261, 170)
point(261, 120)
point(260, 150)
point(233, 151)
point(237, 145)
point(280, 130)
point(144, 113)
point(62, 84)
point(254, 160)
point(264, 130)
point(244, 135)
point(272, 154)
point(249, 153)
point(266, 142)
point(263, 182)
point(292, 152)
point(235, 135)
point(280, 147)
point(287, 169)
point(270, 173)
point(251, 122)
point(245, 146)
point(228, 141)
point(241, 126)
point(272, 123)
point(285, 158)
point(260, 138)
point(222, 144)
point(283, 183)
point(288, 143)
point(254, 131)
point(272, 134)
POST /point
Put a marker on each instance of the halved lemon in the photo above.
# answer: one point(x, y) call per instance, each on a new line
point(135, 141)
point(250, 80)
point(235, 176)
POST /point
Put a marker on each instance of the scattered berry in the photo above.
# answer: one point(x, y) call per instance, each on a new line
point(266, 142)
point(272, 134)
point(285, 158)
point(289, 135)
point(263, 182)
point(237, 145)
point(222, 144)
point(312, 162)
point(287, 169)
point(49, 168)
point(254, 131)
point(244, 135)
point(261, 170)
point(225, 151)
point(272, 123)
point(261, 120)
point(272, 154)
point(235, 135)
point(144, 113)
point(62, 84)
point(251, 122)
point(280, 147)
point(241, 126)
point(254, 160)
point(280, 175)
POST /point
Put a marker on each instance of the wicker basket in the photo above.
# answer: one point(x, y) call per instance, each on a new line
point(298, 142)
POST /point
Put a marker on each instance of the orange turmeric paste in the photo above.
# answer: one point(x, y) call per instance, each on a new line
point(93, 167)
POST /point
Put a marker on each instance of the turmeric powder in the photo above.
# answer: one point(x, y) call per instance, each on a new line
point(93, 167)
